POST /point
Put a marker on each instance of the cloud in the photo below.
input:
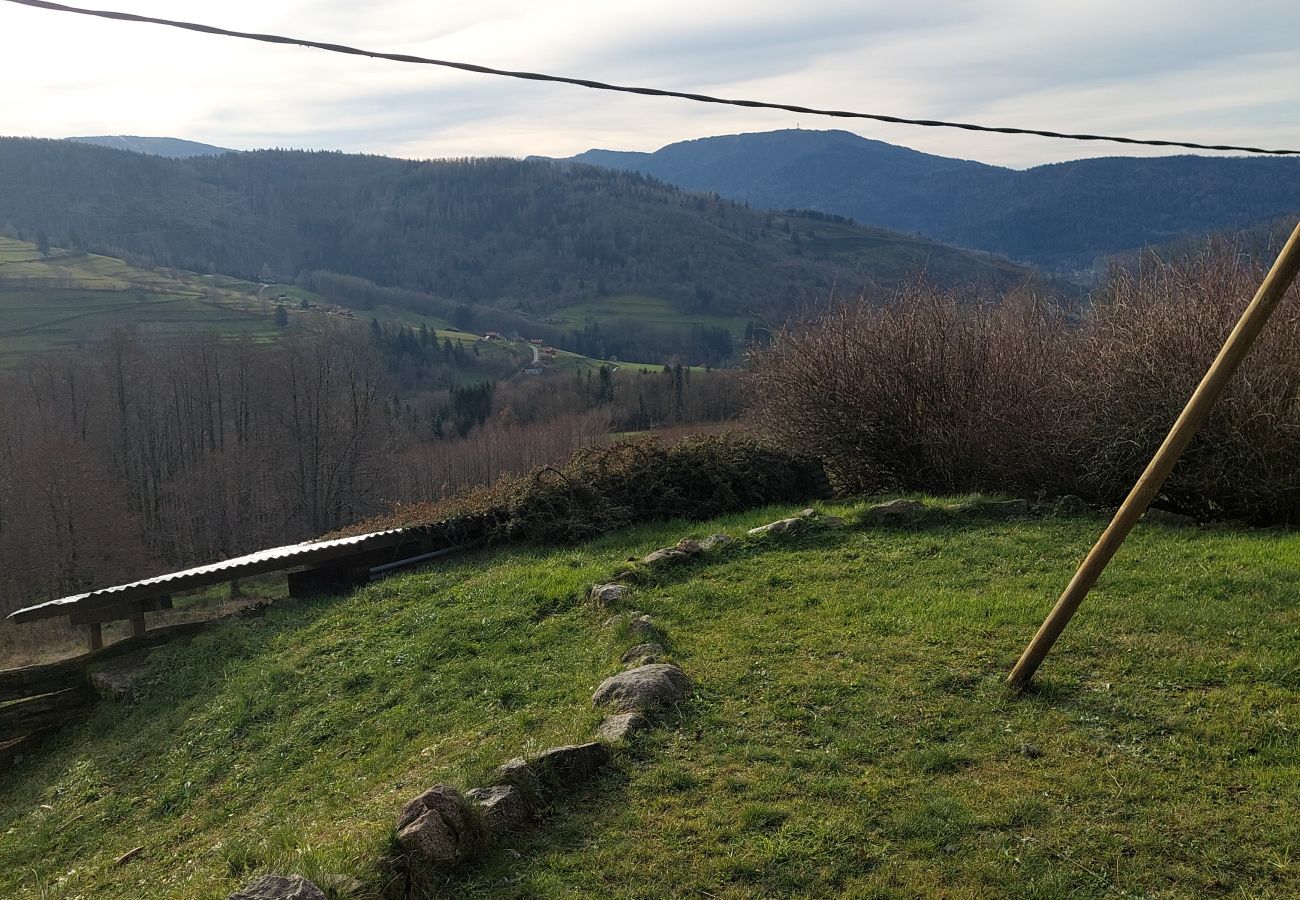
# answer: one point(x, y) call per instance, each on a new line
point(1201, 70)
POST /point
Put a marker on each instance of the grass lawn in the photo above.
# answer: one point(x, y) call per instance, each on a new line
point(849, 735)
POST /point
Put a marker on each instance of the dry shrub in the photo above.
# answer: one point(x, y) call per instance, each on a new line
point(929, 391)
point(934, 391)
point(1151, 333)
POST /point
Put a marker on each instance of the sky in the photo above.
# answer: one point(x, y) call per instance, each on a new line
point(1199, 70)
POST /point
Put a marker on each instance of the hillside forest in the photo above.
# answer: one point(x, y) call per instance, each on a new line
point(485, 243)
point(1066, 217)
point(133, 456)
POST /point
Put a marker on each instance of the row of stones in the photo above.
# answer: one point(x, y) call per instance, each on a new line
point(443, 827)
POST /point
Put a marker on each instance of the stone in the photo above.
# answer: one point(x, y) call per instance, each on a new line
point(442, 798)
point(437, 827)
point(430, 839)
point(781, 526)
point(644, 688)
point(115, 678)
point(690, 547)
point(643, 626)
point(606, 594)
point(280, 887)
point(616, 728)
point(714, 541)
point(503, 807)
point(901, 510)
point(1165, 517)
point(519, 774)
point(643, 653)
point(566, 767)
point(807, 513)
point(668, 556)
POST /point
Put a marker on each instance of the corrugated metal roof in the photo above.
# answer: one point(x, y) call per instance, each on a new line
point(274, 558)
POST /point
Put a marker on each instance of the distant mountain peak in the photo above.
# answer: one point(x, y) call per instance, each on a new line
point(1064, 216)
point(176, 148)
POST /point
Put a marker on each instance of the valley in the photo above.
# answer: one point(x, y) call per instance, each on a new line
point(658, 528)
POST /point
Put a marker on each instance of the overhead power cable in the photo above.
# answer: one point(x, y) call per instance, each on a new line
point(627, 89)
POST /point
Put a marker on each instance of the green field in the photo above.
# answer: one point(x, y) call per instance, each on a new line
point(644, 310)
point(71, 299)
point(849, 734)
point(565, 361)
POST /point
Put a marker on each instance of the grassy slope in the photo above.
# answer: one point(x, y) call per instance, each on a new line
point(849, 736)
point(67, 300)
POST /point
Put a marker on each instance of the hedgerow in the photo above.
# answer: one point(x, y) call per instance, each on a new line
point(938, 392)
point(611, 486)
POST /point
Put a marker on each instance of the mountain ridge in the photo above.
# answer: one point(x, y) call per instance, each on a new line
point(174, 148)
point(1059, 216)
point(524, 235)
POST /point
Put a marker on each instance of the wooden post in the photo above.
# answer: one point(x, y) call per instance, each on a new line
point(1189, 422)
point(137, 621)
point(94, 636)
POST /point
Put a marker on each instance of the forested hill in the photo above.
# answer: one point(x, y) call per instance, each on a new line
point(1060, 216)
point(530, 235)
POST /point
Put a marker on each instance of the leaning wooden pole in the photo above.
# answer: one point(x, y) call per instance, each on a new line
point(1189, 422)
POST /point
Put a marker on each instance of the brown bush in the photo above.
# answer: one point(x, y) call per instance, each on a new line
point(1149, 337)
point(935, 391)
point(929, 391)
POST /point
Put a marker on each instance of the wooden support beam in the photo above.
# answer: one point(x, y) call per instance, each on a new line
point(94, 637)
point(326, 580)
point(121, 612)
point(14, 750)
point(1225, 365)
point(29, 681)
point(47, 711)
point(138, 625)
point(48, 678)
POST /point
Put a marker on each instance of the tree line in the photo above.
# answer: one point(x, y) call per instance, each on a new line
point(133, 456)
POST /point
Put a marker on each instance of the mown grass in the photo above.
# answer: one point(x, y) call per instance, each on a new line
point(849, 734)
